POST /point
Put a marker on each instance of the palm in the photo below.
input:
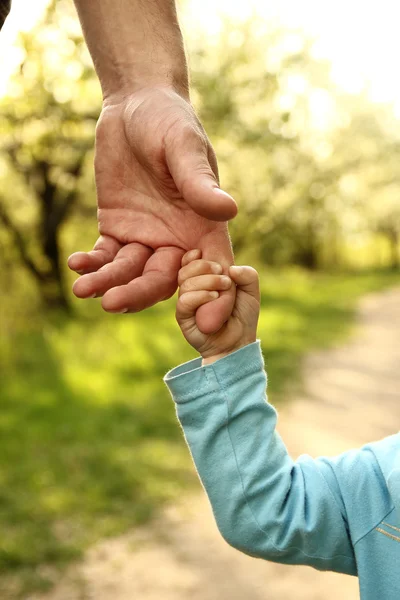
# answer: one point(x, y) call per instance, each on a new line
point(144, 181)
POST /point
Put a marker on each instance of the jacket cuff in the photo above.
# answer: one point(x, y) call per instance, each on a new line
point(190, 380)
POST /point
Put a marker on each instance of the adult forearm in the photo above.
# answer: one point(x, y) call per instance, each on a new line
point(134, 44)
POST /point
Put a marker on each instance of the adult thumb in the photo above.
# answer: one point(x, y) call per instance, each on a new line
point(193, 166)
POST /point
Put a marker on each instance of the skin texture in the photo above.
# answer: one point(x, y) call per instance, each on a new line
point(156, 172)
point(199, 282)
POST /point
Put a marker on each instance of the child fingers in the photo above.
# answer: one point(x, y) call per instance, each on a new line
point(189, 302)
point(205, 282)
point(198, 267)
point(246, 279)
point(190, 255)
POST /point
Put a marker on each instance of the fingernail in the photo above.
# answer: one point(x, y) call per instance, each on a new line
point(226, 281)
point(222, 193)
point(214, 294)
point(118, 312)
point(93, 295)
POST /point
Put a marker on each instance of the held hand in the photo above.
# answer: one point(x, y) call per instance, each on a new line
point(200, 282)
point(158, 196)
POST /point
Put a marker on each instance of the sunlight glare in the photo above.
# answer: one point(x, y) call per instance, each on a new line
point(359, 38)
point(23, 16)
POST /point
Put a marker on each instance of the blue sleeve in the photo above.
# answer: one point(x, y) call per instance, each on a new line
point(265, 504)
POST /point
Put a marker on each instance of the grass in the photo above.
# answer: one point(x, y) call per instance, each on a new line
point(89, 443)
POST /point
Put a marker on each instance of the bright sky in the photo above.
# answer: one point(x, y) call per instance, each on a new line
point(360, 37)
point(22, 18)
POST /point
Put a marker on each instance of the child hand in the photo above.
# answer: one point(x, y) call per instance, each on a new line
point(199, 282)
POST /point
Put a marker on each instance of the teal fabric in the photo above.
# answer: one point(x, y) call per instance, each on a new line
point(340, 514)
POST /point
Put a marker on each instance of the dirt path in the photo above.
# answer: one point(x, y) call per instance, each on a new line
point(351, 397)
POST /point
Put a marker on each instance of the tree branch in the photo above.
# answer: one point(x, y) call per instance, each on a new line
point(20, 244)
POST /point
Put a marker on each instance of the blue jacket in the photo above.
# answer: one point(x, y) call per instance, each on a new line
point(340, 514)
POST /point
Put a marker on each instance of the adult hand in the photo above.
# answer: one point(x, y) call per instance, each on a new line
point(158, 197)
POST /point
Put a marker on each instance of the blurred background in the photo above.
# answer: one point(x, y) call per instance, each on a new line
point(302, 104)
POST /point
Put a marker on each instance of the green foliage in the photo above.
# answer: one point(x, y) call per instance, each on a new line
point(47, 130)
point(313, 169)
point(89, 439)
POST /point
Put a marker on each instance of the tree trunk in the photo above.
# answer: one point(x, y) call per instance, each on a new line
point(394, 249)
point(53, 289)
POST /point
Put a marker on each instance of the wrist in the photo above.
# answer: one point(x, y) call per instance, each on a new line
point(134, 44)
point(178, 85)
point(152, 67)
point(210, 359)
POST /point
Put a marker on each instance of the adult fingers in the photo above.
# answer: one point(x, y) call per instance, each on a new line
point(216, 246)
point(187, 153)
point(126, 266)
point(189, 302)
point(158, 282)
point(103, 252)
point(212, 316)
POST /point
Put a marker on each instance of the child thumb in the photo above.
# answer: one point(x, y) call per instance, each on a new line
point(246, 279)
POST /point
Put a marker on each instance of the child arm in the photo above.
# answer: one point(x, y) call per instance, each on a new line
point(267, 505)
point(264, 503)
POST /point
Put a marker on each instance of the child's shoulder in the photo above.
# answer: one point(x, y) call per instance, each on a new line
point(382, 456)
point(387, 453)
point(366, 482)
